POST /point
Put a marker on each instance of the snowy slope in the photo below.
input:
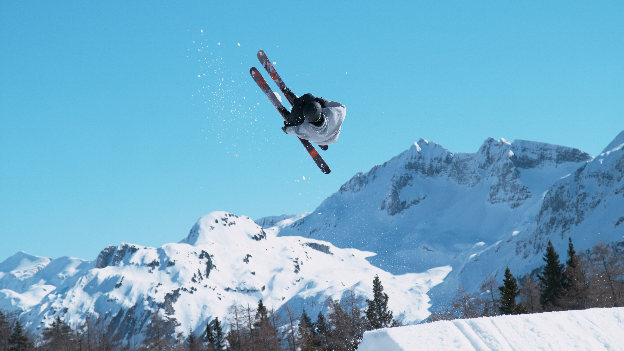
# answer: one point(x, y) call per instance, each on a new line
point(587, 205)
point(224, 259)
point(429, 207)
point(593, 329)
point(617, 143)
point(26, 279)
point(425, 222)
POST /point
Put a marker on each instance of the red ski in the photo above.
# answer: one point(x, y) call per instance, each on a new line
point(283, 111)
point(268, 66)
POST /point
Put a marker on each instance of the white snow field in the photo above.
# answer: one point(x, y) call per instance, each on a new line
point(593, 329)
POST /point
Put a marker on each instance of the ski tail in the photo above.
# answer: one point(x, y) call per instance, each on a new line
point(315, 156)
point(266, 89)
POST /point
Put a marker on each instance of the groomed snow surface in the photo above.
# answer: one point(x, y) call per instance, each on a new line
point(593, 329)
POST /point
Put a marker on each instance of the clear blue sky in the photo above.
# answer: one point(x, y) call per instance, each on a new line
point(125, 121)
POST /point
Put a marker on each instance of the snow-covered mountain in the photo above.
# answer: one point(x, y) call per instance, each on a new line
point(477, 212)
point(223, 260)
point(425, 221)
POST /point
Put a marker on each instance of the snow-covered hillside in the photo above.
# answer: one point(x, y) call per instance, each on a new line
point(224, 259)
point(594, 329)
point(476, 212)
point(429, 207)
point(587, 205)
point(426, 221)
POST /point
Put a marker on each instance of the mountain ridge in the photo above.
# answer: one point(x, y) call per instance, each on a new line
point(426, 221)
point(225, 259)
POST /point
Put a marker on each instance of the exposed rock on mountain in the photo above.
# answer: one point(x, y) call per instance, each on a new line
point(429, 207)
point(224, 259)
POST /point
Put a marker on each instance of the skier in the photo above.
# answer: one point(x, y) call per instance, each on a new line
point(314, 119)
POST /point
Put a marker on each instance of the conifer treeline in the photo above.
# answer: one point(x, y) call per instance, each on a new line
point(250, 329)
point(594, 278)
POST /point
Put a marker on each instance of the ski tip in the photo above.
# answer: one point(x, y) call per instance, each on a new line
point(261, 53)
point(253, 71)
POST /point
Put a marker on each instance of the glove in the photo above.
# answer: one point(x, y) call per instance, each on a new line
point(292, 97)
point(286, 125)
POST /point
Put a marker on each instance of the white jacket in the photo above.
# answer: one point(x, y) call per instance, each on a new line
point(328, 132)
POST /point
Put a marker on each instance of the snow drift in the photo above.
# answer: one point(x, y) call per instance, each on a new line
point(594, 329)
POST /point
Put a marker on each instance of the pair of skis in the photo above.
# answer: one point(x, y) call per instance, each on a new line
point(257, 77)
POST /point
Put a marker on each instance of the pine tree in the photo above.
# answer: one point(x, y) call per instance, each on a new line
point(191, 341)
point(59, 334)
point(358, 320)
point(209, 334)
point(378, 315)
point(509, 291)
point(18, 340)
point(321, 331)
point(265, 333)
point(306, 333)
point(342, 332)
point(572, 260)
point(552, 280)
point(576, 294)
point(262, 314)
point(5, 331)
point(218, 334)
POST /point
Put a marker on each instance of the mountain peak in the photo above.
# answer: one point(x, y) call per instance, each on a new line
point(617, 143)
point(215, 227)
point(23, 265)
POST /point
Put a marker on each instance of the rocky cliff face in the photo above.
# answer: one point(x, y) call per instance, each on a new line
point(586, 204)
point(429, 207)
point(479, 212)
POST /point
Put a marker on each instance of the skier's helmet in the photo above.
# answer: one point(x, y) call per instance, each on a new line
point(306, 98)
point(312, 112)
